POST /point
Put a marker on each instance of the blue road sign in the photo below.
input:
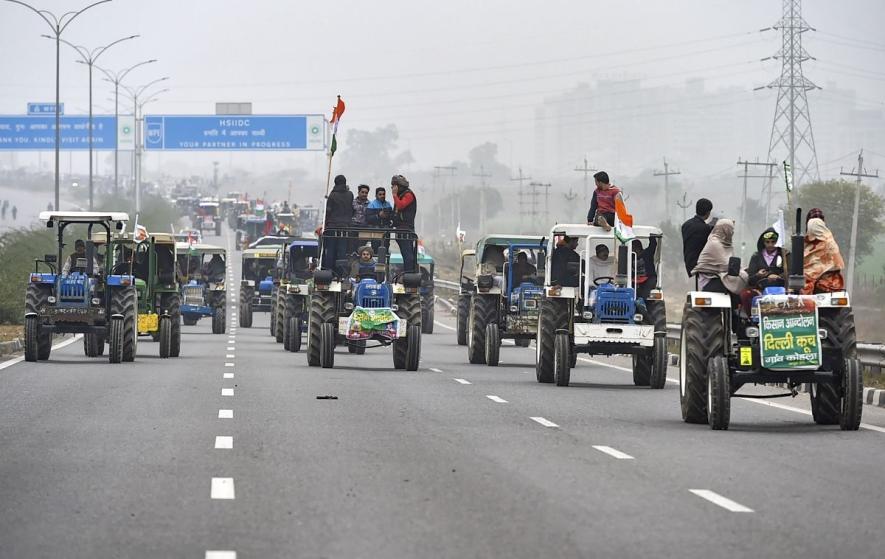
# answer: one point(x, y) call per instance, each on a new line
point(235, 133)
point(38, 132)
point(45, 108)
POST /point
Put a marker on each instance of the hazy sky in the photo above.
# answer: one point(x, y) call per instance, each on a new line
point(449, 74)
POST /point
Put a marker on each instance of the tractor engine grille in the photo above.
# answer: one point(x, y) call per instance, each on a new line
point(615, 306)
point(73, 288)
point(193, 295)
point(372, 302)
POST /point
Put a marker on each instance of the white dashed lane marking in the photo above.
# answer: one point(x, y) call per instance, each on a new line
point(227, 391)
point(721, 501)
point(221, 555)
point(496, 399)
point(461, 381)
point(228, 375)
point(228, 364)
point(435, 370)
point(222, 488)
point(613, 452)
point(224, 442)
point(225, 414)
point(230, 356)
point(544, 422)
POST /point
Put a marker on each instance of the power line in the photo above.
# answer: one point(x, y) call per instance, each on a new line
point(666, 173)
point(747, 164)
point(586, 170)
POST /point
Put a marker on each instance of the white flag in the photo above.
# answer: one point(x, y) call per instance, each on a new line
point(780, 228)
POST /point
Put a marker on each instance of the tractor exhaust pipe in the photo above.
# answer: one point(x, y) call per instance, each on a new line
point(797, 256)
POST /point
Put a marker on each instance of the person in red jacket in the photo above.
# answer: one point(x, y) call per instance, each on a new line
point(603, 203)
point(405, 206)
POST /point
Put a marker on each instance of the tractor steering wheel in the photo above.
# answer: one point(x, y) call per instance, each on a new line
point(603, 280)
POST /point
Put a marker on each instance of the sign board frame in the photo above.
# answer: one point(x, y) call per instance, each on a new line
point(296, 132)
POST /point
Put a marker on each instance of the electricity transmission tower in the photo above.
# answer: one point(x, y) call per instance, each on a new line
point(521, 179)
point(792, 138)
point(852, 248)
point(666, 174)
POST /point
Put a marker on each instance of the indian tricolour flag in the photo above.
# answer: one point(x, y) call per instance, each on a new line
point(337, 111)
point(623, 221)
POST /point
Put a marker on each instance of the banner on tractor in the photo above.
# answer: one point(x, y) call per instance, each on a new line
point(788, 333)
point(365, 323)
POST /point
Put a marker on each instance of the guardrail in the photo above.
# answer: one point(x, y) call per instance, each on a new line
point(872, 356)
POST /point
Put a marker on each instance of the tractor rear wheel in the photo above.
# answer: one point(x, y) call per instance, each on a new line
point(462, 318)
point(124, 301)
point(165, 337)
point(554, 316)
point(658, 377)
point(172, 306)
point(483, 311)
point(322, 310)
point(32, 331)
point(840, 344)
point(409, 309)
point(36, 297)
point(718, 393)
point(493, 345)
point(280, 317)
point(327, 345)
point(700, 340)
point(293, 334)
point(272, 315)
point(642, 366)
point(93, 345)
point(561, 350)
point(852, 395)
point(219, 319)
point(427, 318)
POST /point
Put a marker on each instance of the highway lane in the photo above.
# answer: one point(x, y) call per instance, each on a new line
point(102, 460)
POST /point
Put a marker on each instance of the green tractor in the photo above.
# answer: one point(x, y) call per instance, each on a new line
point(82, 294)
point(292, 295)
point(152, 261)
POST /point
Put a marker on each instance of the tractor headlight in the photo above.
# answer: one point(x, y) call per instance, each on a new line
point(36, 277)
point(50, 300)
point(752, 332)
point(348, 306)
point(96, 301)
point(587, 315)
point(637, 318)
point(514, 308)
point(394, 307)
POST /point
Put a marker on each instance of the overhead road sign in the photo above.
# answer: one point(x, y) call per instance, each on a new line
point(234, 133)
point(45, 108)
point(36, 133)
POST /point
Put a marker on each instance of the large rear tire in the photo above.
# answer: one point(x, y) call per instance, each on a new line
point(327, 345)
point(165, 337)
point(642, 367)
point(32, 331)
point(483, 311)
point(493, 345)
point(246, 307)
point(219, 320)
point(124, 301)
point(561, 350)
point(272, 315)
point(280, 316)
point(41, 343)
point(554, 316)
point(322, 311)
point(408, 309)
point(718, 393)
point(462, 319)
point(840, 344)
point(852, 395)
point(700, 340)
point(93, 345)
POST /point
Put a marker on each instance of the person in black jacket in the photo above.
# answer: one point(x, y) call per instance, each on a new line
point(695, 232)
point(766, 268)
point(405, 206)
point(339, 213)
point(559, 260)
point(646, 273)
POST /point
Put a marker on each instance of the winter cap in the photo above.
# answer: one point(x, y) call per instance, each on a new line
point(400, 181)
point(340, 180)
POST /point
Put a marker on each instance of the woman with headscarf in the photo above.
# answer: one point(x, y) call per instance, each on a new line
point(766, 267)
point(712, 266)
point(822, 259)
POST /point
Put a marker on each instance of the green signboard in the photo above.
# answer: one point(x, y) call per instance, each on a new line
point(364, 323)
point(788, 333)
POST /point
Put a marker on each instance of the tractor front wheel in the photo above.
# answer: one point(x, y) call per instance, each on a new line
point(561, 350)
point(463, 315)
point(718, 393)
point(165, 337)
point(124, 301)
point(493, 345)
point(327, 345)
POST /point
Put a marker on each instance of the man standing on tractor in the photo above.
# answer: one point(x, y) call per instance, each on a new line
point(602, 205)
point(695, 232)
point(339, 213)
point(406, 206)
point(379, 211)
point(360, 205)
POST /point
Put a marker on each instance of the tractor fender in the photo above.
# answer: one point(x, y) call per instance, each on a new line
point(30, 314)
point(117, 316)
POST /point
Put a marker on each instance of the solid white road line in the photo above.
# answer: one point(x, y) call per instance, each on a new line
point(438, 323)
point(228, 375)
point(718, 499)
point(225, 414)
point(435, 370)
point(544, 422)
point(59, 345)
point(461, 381)
point(227, 391)
point(497, 399)
point(221, 554)
point(222, 488)
point(613, 452)
point(228, 364)
point(223, 442)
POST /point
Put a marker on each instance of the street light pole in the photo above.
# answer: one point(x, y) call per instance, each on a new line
point(58, 26)
point(116, 78)
point(135, 94)
point(89, 57)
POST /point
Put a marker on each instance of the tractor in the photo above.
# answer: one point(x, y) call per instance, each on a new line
point(503, 305)
point(202, 268)
point(83, 295)
point(467, 283)
point(621, 312)
point(787, 339)
point(152, 261)
point(426, 269)
point(353, 305)
point(207, 216)
point(295, 265)
point(257, 284)
point(249, 228)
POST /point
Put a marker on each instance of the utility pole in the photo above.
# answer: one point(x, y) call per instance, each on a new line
point(534, 193)
point(666, 174)
point(215, 176)
point(586, 170)
point(570, 197)
point(482, 197)
point(520, 179)
point(859, 173)
point(747, 164)
point(684, 204)
point(437, 172)
point(791, 129)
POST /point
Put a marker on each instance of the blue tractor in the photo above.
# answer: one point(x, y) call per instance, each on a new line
point(353, 303)
point(82, 294)
point(506, 300)
point(203, 294)
point(257, 286)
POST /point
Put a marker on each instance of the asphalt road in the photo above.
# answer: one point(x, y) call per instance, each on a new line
point(153, 459)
